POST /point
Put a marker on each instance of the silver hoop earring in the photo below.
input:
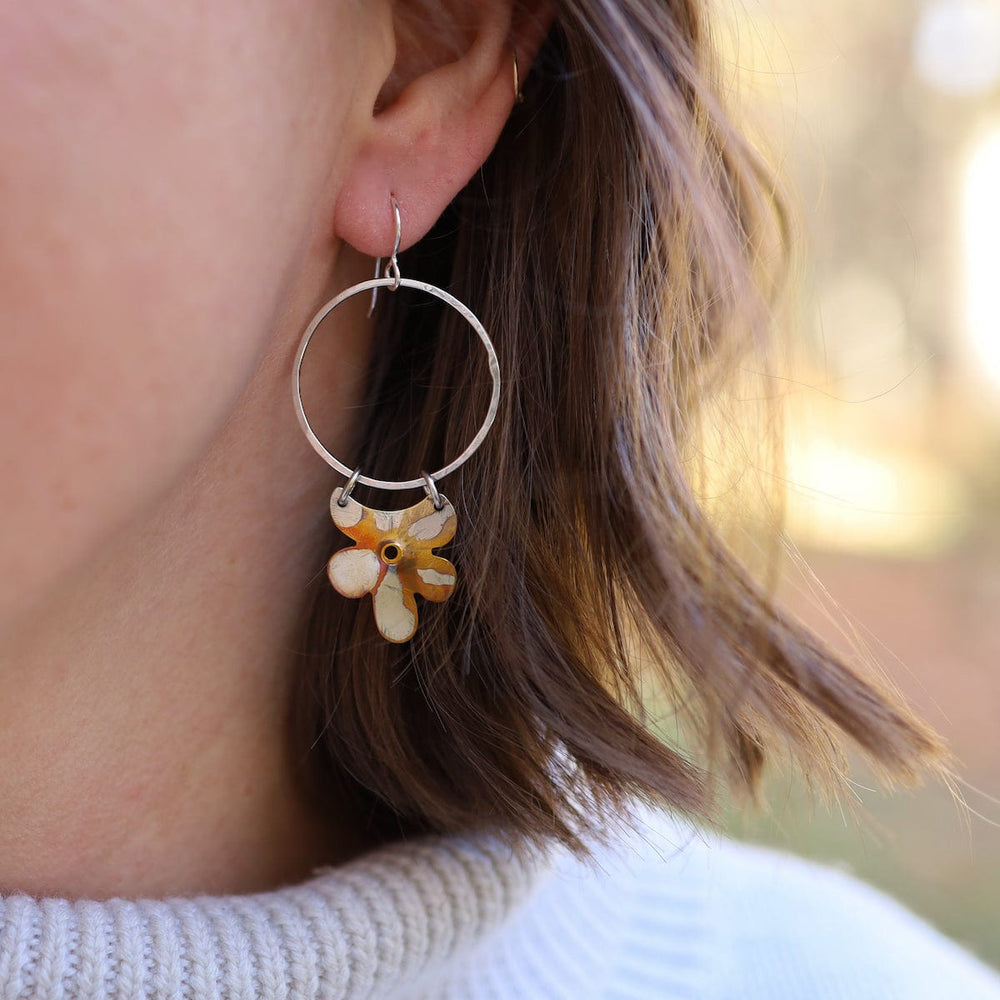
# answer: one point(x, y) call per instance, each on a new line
point(392, 557)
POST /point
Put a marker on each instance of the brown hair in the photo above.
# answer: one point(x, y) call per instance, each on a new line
point(622, 244)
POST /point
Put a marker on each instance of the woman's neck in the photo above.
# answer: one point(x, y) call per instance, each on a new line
point(143, 711)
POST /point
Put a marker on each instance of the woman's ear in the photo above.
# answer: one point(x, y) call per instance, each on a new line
point(438, 116)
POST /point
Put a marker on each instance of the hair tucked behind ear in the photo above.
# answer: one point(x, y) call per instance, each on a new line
point(615, 246)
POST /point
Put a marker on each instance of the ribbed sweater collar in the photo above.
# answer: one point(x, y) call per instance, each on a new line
point(365, 929)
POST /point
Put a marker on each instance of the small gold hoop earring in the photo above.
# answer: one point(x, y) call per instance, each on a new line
point(518, 93)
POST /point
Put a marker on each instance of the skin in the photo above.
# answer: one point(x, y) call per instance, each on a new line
point(182, 186)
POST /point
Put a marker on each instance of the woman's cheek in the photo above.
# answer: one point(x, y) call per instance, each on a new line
point(154, 196)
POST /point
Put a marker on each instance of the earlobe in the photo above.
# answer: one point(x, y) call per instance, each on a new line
point(428, 143)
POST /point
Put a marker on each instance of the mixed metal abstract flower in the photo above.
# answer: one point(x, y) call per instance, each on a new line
point(393, 559)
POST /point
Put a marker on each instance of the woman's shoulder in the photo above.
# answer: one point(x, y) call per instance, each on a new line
point(679, 911)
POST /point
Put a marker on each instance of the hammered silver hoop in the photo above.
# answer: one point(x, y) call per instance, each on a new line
point(392, 282)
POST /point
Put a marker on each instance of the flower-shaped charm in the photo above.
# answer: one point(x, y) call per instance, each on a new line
point(393, 559)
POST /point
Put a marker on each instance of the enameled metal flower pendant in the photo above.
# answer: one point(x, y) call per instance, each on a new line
point(393, 559)
point(393, 556)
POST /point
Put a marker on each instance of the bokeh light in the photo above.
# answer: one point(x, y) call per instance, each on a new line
point(885, 119)
point(981, 225)
point(957, 45)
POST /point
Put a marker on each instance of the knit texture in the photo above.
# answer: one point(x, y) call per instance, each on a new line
point(661, 913)
point(361, 930)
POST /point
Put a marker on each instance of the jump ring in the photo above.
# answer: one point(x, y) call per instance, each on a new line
point(432, 491)
point(345, 493)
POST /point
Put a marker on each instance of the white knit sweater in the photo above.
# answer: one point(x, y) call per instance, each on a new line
point(663, 914)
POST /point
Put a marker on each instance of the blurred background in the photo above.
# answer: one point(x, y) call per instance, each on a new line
point(884, 116)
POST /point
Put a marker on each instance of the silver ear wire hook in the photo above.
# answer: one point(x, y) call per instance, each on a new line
point(392, 268)
point(378, 268)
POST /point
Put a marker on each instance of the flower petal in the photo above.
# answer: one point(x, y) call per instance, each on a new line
point(353, 571)
point(387, 520)
point(395, 608)
point(432, 577)
point(431, 527)
point(347, 516)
